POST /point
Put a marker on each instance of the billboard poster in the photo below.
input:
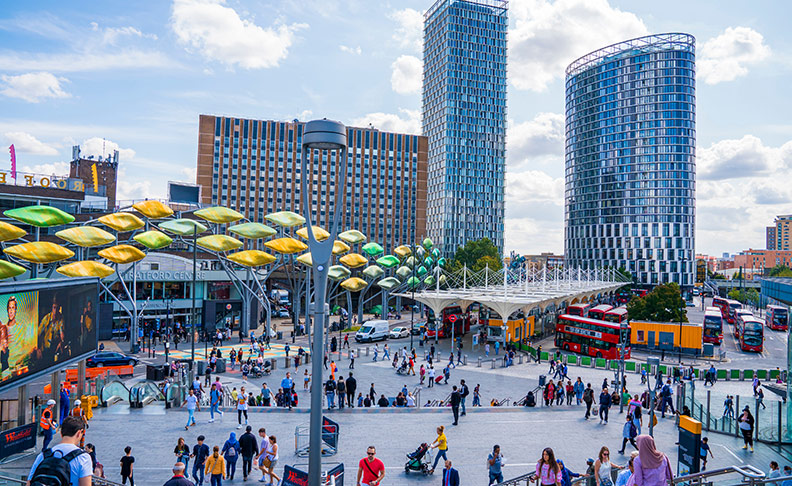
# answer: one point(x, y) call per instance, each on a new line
point(294, 477)
point(44, 328)
point(18, 439)
point(330, 432)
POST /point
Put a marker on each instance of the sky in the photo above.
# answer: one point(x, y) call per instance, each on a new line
point(107, 76)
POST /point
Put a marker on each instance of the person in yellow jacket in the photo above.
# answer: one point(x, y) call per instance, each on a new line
point(215, 467)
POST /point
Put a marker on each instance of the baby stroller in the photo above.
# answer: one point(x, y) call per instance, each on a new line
point(402, 370)
point(419, 460)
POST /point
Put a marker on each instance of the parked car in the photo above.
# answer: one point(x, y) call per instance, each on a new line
point(399, 332)
point(109, 358)
point(282, 313)
point(418, 328)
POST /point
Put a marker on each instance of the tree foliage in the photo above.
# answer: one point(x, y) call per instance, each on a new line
point(746, 296)
point(780, 271)
point(477, 254)
point(663, 304)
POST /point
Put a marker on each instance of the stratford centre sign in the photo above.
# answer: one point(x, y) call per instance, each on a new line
point(167, 275)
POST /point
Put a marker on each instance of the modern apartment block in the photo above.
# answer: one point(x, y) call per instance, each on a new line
point(783, 227)
point(630, 159)
point(464, 119)
point(253, 166)
point(770, 237)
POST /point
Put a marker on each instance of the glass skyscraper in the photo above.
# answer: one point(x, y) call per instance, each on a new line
point(464, 119)
point(630, 159)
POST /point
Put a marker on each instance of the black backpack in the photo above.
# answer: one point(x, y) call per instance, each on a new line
point(54, 470)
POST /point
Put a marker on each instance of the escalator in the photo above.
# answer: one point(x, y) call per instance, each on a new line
point(113, 392)
point(144, 393)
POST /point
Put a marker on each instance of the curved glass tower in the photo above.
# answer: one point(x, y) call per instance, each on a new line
point(630, 159)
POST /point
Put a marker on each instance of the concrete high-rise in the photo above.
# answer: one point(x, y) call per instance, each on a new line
point(783, 228)
point(630, 159)
point(464, 119)
point(253, 166)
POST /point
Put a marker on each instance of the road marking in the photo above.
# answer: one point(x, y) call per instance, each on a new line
point(732, 453)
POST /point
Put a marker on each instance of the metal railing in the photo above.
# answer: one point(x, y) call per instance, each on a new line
point(96, 480)
point(750, 476)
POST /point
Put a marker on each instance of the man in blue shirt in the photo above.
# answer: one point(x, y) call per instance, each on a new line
point(200, 453)
point(287, 384)
point(214, 402)
point(495, 461)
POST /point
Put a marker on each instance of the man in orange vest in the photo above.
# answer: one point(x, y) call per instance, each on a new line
point(47, 424)
point(78, 412)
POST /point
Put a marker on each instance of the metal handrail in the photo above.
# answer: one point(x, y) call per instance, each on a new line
point(750, 475)
point(19, 480)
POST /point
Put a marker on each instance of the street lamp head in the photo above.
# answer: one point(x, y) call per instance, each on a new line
point(324, 134)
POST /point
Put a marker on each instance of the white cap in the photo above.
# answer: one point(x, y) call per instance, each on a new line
point(77, 402)
point(50, 402)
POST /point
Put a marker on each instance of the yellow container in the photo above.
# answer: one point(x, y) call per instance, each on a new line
point(691, 334)
point(516, 329)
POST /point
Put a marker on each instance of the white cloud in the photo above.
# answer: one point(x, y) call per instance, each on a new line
point(220, 34)
point(101, 147)
point(548, 36)
point(189, 173)
point(111, 35)
point(406, 75)
point(544, 135)
point(726, 57)
point(34, 87)
point(85, 61)
point(351, 50)
point(25, 143)
point(746, 157)
point(409, 33)
point(534, 212)
point(131, 188)
point(60, 169)
point(391, 122)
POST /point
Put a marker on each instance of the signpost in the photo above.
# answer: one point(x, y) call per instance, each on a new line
point(689, 456)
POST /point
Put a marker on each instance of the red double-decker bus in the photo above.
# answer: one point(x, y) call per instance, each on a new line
point(616, 316)
point(722, 304)
point(777, 318)
point(599, 311)
point(591, 337)
point(580, 310)
point(713, 325)
point(751, 330)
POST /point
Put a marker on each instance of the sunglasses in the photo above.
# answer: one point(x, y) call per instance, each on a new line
point(371, 453)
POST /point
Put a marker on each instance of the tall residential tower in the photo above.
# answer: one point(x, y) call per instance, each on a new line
point(464, 119)
point(630, 159)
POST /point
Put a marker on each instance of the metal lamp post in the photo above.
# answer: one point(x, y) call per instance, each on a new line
point(320, 135)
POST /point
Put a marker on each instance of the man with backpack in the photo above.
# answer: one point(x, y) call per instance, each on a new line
point(665, 395)
point(65, 464)
point(588, 399)
point(463, 392)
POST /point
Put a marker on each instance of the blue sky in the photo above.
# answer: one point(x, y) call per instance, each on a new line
point(80, 72)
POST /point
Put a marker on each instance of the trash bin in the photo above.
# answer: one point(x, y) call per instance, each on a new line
point(154, 373)
point(542, 380)
point(708, 349)
point(201, 367)
point(280, 335)
point(220, 366)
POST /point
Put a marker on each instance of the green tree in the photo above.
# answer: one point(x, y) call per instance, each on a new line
point(734, 294)
point(473, 253)
point(663, 304)
point(780, 271)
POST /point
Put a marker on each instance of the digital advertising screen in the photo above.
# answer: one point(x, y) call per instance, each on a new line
point(44, 327)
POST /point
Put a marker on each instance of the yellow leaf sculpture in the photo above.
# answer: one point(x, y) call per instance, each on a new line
point(251, 258)
point(86, 236)
point(286, 245)
point(219, 215)
point(353, 237)
point(319, 233)
point(287, 219)
point(153, 240)
point(354, 284)
point(10, 232)
point(339, 247)
point(85, 268)
point(402, 251)
point(8, 270)
point(252, 230)
point(305, 259)
point(122, 222)
point(338, 272)
point(353, 260)
point(40, 216)
point(122, 254)
point(219, 243)
point(39, 252)
point(153, 209)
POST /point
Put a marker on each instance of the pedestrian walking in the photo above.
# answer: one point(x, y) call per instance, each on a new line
point(376, 351)
point(705, 452)
point(385, 351)
point(441, 444)
point(578, 388)
point(330, 390)
point(548, 472)
point(446, 375)
point(126, 466)
point(214, 401)
point(477, 395)
point(215, 467)
point(352, 360)
point(200, 454)
point(569, 392)
point(450, 475)
point(178, 478)
point(372, 393)
point(456, 398)
point(549, 394)
point(248, 448)
point(48, 424)
point(746, 427)
point(666, 395)
point(80, 466)
point(494, 463)
point(760, 398)
point(728, 407)
point(287, 385)
point(603, 468)
point(431, 375)
point(486, 350)
point(421, 374)
point(182, 452)
point(192, 404)
point(272, 456)
point(629, 432)
point(242, 407)
point(231, 450)
point(463, 393)
point(605, 401)
point(651, 467)
point(351, 387)
point(371, 470)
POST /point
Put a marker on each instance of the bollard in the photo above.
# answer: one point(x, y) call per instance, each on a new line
point(479, 362)
point(426, 355)
point(464, 360)
point(493, 363)
point(286, 362)
point(520, 360)
point(367, 350)
point(274, 363)
point(593, 362)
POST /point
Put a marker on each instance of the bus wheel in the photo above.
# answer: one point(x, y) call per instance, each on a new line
point(599, 355)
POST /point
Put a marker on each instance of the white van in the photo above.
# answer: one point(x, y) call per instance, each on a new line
point(372, 331)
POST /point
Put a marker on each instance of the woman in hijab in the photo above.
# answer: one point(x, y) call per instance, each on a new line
point(231, 450)
point(746, 427)
point(651, 467)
